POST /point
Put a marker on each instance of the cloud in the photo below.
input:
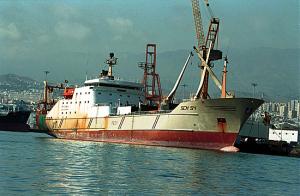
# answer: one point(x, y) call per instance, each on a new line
point(71, 30)
point(64, 11)
point(119, 23)
point(43, 38)
point(120, 27)
point(10, 31)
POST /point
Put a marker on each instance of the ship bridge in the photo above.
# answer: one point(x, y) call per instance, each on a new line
point(107, 82)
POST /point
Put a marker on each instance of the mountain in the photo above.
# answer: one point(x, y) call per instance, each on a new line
point(276, 71)
point(16, 82)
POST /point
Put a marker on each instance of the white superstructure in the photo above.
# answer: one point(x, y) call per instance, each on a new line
point(100, 97)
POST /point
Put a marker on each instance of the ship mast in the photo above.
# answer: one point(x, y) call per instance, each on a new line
point(110, 62)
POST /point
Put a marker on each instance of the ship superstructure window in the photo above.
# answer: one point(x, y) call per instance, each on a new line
point(114, 86)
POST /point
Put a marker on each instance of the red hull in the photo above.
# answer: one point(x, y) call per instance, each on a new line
point(173, 138)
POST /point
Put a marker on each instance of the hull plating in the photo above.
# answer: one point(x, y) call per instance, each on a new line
point(207, 124)
point(178, 138)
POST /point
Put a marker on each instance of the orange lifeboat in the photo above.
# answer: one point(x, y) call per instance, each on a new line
point(68, 92)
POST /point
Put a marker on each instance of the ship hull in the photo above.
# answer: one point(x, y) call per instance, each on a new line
point(15, 121)
point(208, 124)
point(168, 138)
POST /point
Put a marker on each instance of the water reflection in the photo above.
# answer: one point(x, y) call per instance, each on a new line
point(43, 165)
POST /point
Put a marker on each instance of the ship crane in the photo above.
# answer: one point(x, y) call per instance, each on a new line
point(170, 97)
point(205, 48)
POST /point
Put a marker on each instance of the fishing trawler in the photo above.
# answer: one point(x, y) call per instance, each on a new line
point(107, 109)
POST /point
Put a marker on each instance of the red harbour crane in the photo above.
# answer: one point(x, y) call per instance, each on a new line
point(151, 81)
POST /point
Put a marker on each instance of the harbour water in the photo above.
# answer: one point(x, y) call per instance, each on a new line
point(35, 164)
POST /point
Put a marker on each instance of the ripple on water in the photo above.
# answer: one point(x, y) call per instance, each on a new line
point(35, 164)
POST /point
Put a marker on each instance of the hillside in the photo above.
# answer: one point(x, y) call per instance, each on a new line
point(276, 71)
point(16, 82)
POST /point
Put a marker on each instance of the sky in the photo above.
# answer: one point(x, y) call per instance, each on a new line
point(63, 35)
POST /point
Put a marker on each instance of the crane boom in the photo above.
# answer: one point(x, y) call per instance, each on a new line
point(172, 93)
point(198, 23)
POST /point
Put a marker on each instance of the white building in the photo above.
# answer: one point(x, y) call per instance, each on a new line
point(283, 110)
